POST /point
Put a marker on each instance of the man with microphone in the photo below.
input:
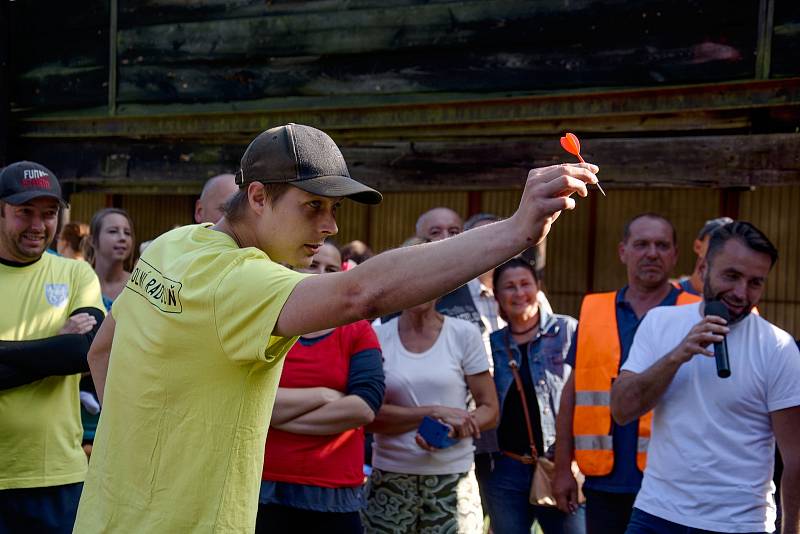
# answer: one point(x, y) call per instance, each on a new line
point(711, 454)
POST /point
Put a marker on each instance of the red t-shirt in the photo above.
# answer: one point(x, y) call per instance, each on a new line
point(334, 461)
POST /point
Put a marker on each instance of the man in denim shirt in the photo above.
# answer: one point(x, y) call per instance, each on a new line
point(613, 454)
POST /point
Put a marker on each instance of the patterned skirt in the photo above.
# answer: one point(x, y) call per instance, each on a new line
point(425, 504)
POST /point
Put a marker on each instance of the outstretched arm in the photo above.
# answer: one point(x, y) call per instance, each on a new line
point(403, 278)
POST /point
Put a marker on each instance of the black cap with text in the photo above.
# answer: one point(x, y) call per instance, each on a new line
point(23, 181)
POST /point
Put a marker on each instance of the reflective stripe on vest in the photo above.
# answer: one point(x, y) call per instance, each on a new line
point(597, 359)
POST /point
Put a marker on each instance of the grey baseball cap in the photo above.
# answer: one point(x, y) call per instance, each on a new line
point(305, 157)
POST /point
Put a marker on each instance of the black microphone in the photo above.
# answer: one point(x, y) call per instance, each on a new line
point(717, 308)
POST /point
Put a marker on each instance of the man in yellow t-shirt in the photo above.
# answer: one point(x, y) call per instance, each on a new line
point(50, 312)
point(200, 331)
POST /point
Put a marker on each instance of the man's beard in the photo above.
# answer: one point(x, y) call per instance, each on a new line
point(710, 294)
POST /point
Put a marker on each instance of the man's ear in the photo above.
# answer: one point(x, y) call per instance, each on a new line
point(257, 197)
point(697, 246)
point(198, 211)
point(621, 251)
point(702, 268)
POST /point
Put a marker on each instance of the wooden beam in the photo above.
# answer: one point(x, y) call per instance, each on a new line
point(479, 69)
point(591, 242)
point(410, 46)
point(4, 88)
point(112, 58)
point(418, 25)
point(479, 164)
point(382, 118)
point(766, 16)
point(713, 161)
point(785, 38)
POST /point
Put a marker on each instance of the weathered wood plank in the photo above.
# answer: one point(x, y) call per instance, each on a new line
point(58, 15)
point(61, 87)
point(592, 26)
point(5, 39)
point(714, 161)
point(54, 32)
point(146, 12)
point(483, 163)
point(449, 70)
point(786, 40)
point(379, 116)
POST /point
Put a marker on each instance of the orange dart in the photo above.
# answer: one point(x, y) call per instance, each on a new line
point(571, 144)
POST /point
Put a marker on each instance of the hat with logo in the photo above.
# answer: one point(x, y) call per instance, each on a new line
point(304, 157)
point(25, 180)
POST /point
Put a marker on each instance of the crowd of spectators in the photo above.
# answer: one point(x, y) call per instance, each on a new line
point(515, 385)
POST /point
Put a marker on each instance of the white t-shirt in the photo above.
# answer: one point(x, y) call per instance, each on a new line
point(711, 454)
point(436, 376)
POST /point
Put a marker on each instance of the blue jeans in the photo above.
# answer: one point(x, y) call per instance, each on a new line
point(606, 512)
point(505, 487)
point(48, 510)
point(644, 523)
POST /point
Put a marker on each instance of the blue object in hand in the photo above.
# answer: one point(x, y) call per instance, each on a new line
point(435, 433)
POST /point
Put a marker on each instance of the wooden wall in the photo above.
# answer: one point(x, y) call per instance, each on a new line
point(685, 104)
point(158, 95)
point(251, 49)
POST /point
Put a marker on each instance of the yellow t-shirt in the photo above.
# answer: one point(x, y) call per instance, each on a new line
point(40, 422)
point(192, 378)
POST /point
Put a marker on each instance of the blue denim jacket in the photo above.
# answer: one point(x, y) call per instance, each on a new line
point(547, 359)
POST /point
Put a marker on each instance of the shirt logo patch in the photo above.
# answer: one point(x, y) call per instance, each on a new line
point(56, 294)
point(157, 289)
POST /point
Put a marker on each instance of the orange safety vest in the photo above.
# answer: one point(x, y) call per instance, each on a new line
point(597, 362)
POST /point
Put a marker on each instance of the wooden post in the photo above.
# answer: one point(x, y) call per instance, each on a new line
point(729, 200)
point(5, 95)
point(592, 242)
point(368, 224)
point(474, 202)
point(112, 59)
point(766, 15)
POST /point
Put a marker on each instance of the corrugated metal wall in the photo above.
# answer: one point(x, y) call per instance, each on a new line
point(570, 271)
point(152, 214)
point(155, 214)
point(84, 205)
point(688, 209)
point(776, 212)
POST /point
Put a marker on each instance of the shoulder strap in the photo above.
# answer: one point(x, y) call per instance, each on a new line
point(518, 381)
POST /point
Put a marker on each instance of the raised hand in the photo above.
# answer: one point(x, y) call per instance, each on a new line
point(547, 193)
point(710, 330)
